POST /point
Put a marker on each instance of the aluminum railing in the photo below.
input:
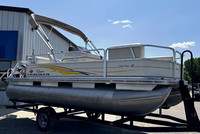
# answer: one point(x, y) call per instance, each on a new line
point(105, 56)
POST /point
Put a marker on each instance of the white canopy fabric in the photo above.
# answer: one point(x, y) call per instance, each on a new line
point(38, 19)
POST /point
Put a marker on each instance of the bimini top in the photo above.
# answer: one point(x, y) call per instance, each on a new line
point(38, 19)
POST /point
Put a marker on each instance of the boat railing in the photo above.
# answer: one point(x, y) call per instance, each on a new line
point(32, 59)
point(175, 55)
point(60, 56)
point(17, 71)
point(178, 57)
point(105, 58)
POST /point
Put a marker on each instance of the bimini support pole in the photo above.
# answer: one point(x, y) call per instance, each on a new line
point(43, 36)
point(92, 46)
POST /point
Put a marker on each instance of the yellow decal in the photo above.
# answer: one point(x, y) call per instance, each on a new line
point(120, 71)
point(61, 70)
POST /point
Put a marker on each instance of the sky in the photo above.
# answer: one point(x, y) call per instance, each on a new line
point(174, 23)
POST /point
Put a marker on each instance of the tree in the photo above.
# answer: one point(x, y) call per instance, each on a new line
point(188, 71)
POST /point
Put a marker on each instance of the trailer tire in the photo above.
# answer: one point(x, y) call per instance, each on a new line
point(46, 118)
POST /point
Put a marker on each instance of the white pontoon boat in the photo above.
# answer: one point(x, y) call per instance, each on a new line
point(119, 80)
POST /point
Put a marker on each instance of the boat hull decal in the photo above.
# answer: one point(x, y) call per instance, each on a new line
point(60, 70)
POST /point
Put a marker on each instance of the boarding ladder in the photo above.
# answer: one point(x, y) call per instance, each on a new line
point(189, 99)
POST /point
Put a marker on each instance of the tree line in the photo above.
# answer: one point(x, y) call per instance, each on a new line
point(188, 71)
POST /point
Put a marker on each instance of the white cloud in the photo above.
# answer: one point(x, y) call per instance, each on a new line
point(183, 44)
point(121, 22)
point(127, 26)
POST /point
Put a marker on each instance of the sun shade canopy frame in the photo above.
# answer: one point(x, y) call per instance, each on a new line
point(38, 19)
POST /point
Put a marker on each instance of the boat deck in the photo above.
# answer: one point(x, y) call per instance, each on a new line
point(134, 80)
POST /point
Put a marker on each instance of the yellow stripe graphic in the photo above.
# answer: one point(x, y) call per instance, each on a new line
point(61, 70)
point(113, 71)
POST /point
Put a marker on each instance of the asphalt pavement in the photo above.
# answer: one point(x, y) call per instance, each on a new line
point(23, 122)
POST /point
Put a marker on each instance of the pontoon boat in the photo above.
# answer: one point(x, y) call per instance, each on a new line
point(121, 79)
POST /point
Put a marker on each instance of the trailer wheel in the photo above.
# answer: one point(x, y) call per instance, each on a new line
point(93, 115)
point(46, 118)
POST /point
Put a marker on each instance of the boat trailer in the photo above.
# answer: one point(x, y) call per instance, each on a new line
point(46, 116)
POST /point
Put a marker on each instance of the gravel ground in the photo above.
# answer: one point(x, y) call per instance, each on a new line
point(22, 122)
